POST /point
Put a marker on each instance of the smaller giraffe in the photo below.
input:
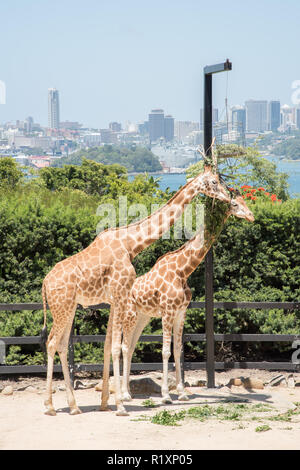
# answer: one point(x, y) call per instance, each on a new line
point(164, 292)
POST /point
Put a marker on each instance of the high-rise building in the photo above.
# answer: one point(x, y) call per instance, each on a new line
point(274, 115)
point(53, 108)
point(184, 128)
point(238, 119)
point(169, 128)
point(256, 115)
point(215, 117)
point(115, 126)
point(156, 124)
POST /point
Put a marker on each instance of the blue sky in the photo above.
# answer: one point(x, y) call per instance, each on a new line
point(115, 60)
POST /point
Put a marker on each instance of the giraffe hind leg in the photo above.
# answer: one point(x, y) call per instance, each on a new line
point(51, 350)
point(63, 354)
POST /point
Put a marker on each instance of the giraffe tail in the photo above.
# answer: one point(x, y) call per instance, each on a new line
point(44, 334)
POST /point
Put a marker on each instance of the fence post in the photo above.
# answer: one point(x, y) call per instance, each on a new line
point(182, 358)
point(71, 355)
point(209, 291)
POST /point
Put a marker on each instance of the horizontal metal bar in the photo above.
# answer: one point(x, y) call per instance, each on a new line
point(194, 304)
point(243, 337)
point(21, 339)
point(159, 338)
point(216, 68)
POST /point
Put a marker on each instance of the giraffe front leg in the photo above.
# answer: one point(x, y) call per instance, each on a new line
point(178, 330)
point(133, 330)
point(106, 365)
point(116, 352)
point(166, 352)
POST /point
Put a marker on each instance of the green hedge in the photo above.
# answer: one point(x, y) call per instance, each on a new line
point(254, 262)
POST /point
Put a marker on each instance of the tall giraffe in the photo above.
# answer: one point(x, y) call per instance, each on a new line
point(103, 272)
point(164, 292)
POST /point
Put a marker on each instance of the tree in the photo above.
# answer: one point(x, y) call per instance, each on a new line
point(91, 177)
point(247, 166)
point(136, 159)
point(10, 172)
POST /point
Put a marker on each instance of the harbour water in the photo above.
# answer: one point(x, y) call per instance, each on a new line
point(291, 167)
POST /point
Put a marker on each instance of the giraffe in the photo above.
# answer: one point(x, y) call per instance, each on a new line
point(103, 272)
point(164, 292)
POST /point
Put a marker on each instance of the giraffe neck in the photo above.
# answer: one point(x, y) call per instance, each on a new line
point(194, 251)
point(141, 234)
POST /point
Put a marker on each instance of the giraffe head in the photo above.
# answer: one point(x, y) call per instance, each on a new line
point(209, 184)
point(239, 208)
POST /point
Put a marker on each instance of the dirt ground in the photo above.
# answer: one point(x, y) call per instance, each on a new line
point(23, 424)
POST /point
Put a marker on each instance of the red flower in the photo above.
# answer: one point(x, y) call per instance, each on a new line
point(273, 197)
point(253, 198)
point(267, 194)
point(260, 189)
point(248, 194)
point(253, 190)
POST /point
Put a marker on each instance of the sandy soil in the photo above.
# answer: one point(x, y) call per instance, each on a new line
point(23, 424)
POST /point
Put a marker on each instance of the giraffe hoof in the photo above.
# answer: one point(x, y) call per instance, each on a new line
point(75, 411)
point(122, 413)
point(126, 397)
point(166, 401)
point(183, 397)
point(50, 412)
point(104, 408)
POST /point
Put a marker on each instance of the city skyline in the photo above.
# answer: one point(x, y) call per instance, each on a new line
point(122, 59)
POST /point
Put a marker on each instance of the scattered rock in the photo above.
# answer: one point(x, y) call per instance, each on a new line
point(278, 380)
point(144, 386)
point(80, 385)
point(198, 383)
point(253, 383)
point(61, 388)
point(237, 382)
point(31, 389)
point(171, 382)
point(1, 387)
point(290, 381)
point(98, 387)
point(8, 390)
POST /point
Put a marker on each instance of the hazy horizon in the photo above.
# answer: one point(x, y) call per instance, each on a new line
point(115, 61)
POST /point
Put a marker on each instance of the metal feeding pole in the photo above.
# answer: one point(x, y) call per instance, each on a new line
point(209, 290)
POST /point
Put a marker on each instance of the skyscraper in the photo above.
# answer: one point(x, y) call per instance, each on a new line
point(256, 115)
point(215, 117)
point(274, 115)
point(238, 118)
point(169, 128)
point(156, 124)
point(53, 108)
